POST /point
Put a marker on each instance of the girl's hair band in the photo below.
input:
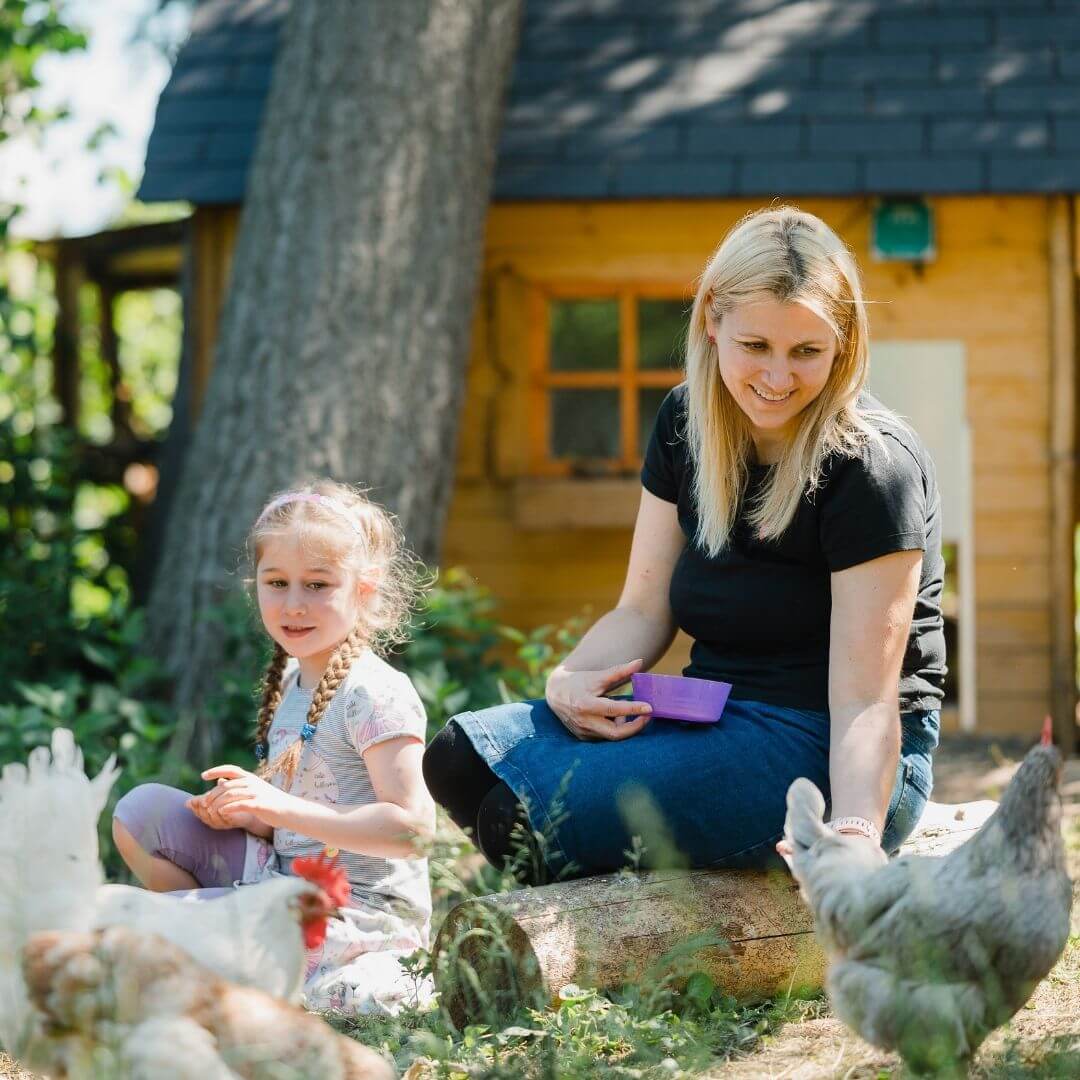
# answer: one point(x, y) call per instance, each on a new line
point(325, 501)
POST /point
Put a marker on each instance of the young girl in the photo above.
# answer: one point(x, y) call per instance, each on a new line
point(340, 738)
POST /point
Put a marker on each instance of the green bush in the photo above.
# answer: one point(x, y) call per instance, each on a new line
point(62, 588)
point(88, 673)
point(460, 657)
point(70, 647)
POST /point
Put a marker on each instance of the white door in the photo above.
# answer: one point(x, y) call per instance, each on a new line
point(925, 382)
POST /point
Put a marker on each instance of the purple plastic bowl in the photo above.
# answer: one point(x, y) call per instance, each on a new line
point(674, 697)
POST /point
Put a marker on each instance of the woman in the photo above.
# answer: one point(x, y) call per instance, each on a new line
point(791, 526)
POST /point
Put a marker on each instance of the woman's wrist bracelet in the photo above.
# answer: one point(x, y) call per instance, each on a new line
point(862, 826)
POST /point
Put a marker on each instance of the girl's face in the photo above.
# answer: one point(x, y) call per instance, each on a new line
point(775, 359)
point(308, 603)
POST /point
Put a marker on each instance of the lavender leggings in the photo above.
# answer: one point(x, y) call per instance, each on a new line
point(161, 824)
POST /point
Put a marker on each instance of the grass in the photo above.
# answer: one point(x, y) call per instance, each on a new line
point(630, 1035)
point(654, 1031)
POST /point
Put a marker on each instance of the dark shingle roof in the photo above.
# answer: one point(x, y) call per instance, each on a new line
point(208, 115)
point(622, 98)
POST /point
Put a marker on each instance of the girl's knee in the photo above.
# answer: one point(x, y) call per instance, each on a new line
point(125, 843)
point(139, 815)
point(139, 799)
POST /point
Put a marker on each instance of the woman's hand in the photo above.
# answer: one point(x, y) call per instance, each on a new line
point(240, 792)
point(872, 848)
point(577, 699)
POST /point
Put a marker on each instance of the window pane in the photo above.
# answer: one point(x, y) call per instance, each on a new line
point(585, 423)
point(662, 333)
point(584, 335)
point(648, 406)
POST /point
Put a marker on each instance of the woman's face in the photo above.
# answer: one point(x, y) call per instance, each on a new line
point(775, 358)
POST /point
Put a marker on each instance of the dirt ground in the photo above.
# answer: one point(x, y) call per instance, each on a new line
point(1043, 1040)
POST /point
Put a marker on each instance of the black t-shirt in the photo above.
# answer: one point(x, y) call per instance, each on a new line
point(759, 612)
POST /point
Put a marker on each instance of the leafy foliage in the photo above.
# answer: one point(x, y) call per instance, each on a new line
point(639, 1032)
point(63, 590)
point(29, 30)
point(69, 642)
point(461, 658)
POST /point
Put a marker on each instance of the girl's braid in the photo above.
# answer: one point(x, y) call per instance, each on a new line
point(335, 673)
point(336, 670)
point(271, 699)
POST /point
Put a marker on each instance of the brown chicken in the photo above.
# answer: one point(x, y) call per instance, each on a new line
point(124, 1004)
point(929, 955)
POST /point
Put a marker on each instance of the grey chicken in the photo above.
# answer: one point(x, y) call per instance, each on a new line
point(928, 955)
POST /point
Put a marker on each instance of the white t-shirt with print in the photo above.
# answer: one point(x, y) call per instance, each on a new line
point(374, 703)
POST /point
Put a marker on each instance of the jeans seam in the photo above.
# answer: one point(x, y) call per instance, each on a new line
point(904, 781)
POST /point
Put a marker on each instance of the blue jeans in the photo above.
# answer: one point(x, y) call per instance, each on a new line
point(699, 795)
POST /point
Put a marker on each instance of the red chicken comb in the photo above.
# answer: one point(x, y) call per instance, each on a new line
point(1047, 737)
point(327, 874)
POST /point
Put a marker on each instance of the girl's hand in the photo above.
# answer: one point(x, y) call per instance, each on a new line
point(239, 790)
point(576, 698)
point(209, 810)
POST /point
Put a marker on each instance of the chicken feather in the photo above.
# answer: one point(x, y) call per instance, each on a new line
point(52, 882)
point(123, 992)
point(929, 955)
point(49, 867)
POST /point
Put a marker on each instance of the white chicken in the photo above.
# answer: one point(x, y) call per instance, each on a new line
point(251, 936)
point(51, 880)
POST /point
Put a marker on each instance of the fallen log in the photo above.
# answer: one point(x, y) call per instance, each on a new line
point(748, 930)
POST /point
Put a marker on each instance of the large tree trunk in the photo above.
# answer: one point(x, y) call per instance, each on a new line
point(345, 335)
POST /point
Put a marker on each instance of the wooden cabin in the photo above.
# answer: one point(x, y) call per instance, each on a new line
point(943, 146)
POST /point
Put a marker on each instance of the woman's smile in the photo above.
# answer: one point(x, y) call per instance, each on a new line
point(771, 398)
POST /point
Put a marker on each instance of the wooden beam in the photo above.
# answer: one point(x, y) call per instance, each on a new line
point(135, 282)
point(103, 246)
point(556, 505)
point(69, 277)
point(523, 947)
point(213, 243)
point(120, 410)
point(1063, 388)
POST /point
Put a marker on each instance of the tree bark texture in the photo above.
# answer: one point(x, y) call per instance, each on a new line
point(749, 931)
point(344, 339)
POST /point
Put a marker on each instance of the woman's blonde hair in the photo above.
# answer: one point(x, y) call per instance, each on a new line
point(344, 525)
point(794, 257)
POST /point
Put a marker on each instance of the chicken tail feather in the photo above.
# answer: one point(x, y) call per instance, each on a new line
point(49, 865)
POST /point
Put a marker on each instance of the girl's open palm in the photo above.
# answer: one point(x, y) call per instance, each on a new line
point(577, 699)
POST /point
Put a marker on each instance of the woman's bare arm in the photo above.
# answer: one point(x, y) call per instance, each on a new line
point(630, 637)
point(872, 607)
